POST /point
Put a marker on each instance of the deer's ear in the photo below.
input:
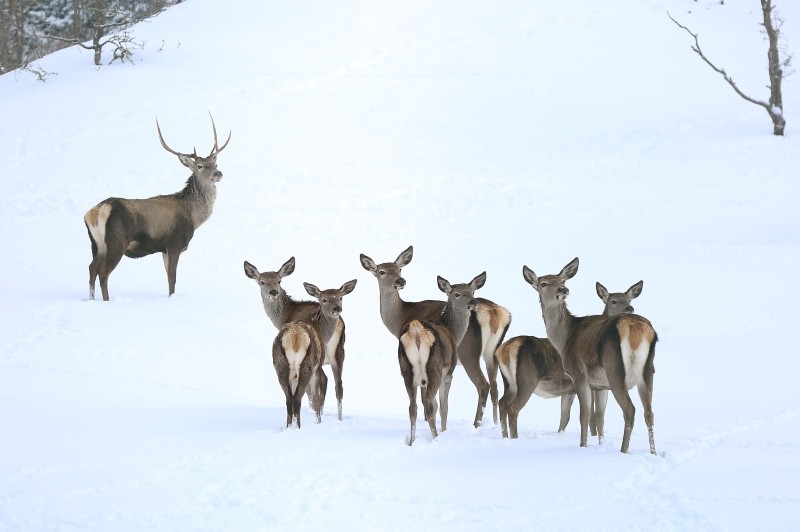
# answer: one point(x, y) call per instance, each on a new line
point(530, 277)
point(444, 284)
point(187, 161)
point(570, 269)
point(405, 257)
point(602, 293)
point(478, 281)
point(250, 271)
point(312, 290)
point(348, 287)
point(368, 264)
point(287, 268)
point(635, 290)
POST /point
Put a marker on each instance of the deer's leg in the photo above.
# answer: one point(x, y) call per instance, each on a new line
point(505, 402)
point(322, 391)
point(444, 394)
point(472, 365)
point(628, 413)
point(491, 374)
point(597, 423)
point(524, 391)
point(566, 407)
point(171, 264)
point(429, 405)
point(585, 403)
point(646, 394)
point(412, 405)
point(337, 375)
point(288, 394)
point(105, 267)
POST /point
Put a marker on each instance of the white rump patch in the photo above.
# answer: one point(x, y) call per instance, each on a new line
point(295, 344)
point(634, 360)
point(417, 344)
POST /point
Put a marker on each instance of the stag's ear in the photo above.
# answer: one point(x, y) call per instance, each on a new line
point(287, 268)
point(478, 281)
point(312, 290)
point(530, 277)
point(570, 269)
point(187, 161)
point(405, 257)
point(368, 264)
point(444, 284)
point(348, 287)
point(602, 293)
point(635, 290)
point(250, 271)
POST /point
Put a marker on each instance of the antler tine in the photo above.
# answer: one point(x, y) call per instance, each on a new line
point(215, 150)
point(164, 144)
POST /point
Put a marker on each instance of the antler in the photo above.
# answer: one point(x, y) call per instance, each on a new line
point(215, 151)
point(163, 143)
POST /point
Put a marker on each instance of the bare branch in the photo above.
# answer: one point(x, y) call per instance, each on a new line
point(775, 106)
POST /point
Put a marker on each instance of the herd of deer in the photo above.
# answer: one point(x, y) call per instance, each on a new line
point(582, 356)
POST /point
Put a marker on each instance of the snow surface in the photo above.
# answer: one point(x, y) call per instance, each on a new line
point(487, 134)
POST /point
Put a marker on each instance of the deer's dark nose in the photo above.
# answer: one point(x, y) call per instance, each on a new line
point(400, 283)
point(337, 309)
point(473, 304)
point(273, 292)
point(629, 309)
point(563, 290)
point(218, 174)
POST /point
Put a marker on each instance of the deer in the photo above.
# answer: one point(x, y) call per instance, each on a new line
point(598, 352)
point(487, 326)
point(531, 365)
point(139, 227)
point(307, 338)
point(615, 303)
point(282, 309)
point(427, 352)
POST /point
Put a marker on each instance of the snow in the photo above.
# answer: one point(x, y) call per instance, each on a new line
point(488, 135)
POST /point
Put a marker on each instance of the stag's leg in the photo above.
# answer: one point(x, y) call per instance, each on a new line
point(598, 419)
point(566, 407)
point(107, 266)
point(646, 394)
point(171, 265)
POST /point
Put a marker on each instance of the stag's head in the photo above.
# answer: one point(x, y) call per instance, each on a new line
point(552, 288)
point(203, 168)
point(269, 282)
point(388, 273)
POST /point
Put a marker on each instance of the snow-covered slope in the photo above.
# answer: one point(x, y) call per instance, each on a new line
point(488, 135)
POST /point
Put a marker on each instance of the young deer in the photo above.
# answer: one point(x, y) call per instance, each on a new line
point(598, 352)
point(166, 224)
point(531, 365)
point(281, 309)
point(615, 303)
point(298, 351)
point(427, 352)
point(487, 325)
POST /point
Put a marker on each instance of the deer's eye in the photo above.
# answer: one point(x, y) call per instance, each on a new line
point(543, 284)
point(262, 283)
point(613, 301)
point(324, 300)
point(200, 166)
point(381, 272)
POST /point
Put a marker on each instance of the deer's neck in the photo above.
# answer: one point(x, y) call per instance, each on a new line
point(198, 199)
point(392, 311)
point(326, 325)
point(457, 321)
point(559, 323)
point(278, 309)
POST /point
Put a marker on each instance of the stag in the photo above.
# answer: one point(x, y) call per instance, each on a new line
point(139, 227)
point(598, 352)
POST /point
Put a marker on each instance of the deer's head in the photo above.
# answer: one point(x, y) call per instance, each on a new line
point(269, 282)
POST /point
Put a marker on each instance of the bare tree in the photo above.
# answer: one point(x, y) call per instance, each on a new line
point(772, 26)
